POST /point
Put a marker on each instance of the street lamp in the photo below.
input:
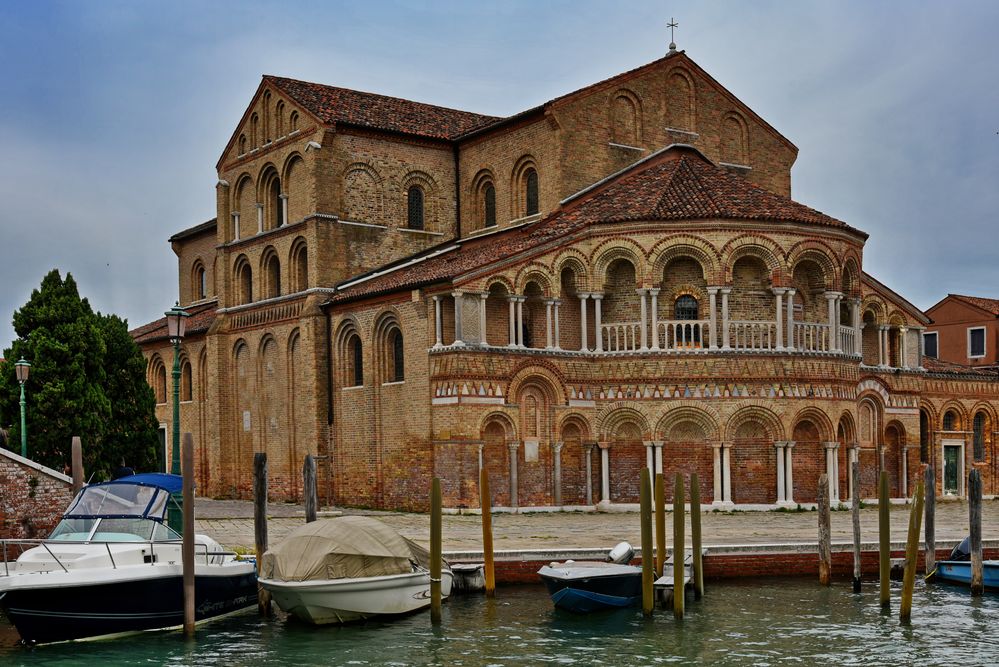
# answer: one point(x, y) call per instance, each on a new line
point(22, 368)
point(176, 326)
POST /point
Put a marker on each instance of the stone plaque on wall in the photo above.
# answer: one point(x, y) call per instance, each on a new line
point(246, 420)
point(531, 451)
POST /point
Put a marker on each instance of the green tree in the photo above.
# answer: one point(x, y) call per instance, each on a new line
point(82, 381)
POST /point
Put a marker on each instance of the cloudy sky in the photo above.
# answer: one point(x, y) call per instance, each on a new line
point(113, 114)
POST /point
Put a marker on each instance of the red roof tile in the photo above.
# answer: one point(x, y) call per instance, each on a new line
point(988, 305)
point(677, 183)
point(934, 365)
point(201, 317)
point(341, 105)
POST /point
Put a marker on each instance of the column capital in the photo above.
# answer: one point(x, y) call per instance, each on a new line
point(780, 444)
point(789, 443)
point(597, 295)
point(658, 443)
point(642, 291)
point(603, 444)
point(282, 196)
point(557, 445)
point(856, 300)
point(725, 290)
point(648, 443)
point(712, 290)
point(831, 445)
point(779, 291)
point(583, 295)
point(588, 447)
point(457, 293)
point(654, 290)
point(436, 297)
point(258, 205)
point(903, 329)
point(791, 291)
point(514, 445)
point(483, 295)
point(235, 214)
point(832, 295)
point(550, 301)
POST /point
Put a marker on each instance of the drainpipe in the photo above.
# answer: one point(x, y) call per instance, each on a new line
point(329, 368)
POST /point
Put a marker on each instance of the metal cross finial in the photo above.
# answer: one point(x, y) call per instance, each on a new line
point(672, 24)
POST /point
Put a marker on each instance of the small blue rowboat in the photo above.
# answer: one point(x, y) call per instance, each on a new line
point(959, 571)
point(590, 586)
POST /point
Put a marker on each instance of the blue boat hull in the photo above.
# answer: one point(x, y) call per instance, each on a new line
point(583, 602)
point(960, 572)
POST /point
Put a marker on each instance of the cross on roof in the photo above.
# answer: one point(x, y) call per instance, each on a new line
point(672, 24)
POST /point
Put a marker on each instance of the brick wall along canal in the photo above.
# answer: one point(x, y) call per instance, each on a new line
point(761, 622)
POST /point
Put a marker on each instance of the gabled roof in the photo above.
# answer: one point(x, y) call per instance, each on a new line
point(894, 297)
point(674, 184)
point(934, 365)
point(332, 105)
point(201, 317)
point(203, 228)
point(990, 306)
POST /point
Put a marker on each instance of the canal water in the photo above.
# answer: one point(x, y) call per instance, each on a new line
point(758, 622)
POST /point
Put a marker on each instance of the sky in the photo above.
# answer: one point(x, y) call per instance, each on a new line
point(114, 114)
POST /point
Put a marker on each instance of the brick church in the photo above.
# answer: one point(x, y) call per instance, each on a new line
point(615, 279)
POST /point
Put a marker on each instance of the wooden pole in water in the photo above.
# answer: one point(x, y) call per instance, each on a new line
point(929, 532)
point(77, 464)
point(911, 553)
point(309, 488)
point(260, 524)
point(855, 511)
point(975, 517)
point(660, 497)
point(435, 551)
point(884, 540)
point(678, 552)
point(695, 535)
point(648, 567)
point(485, 502)
point(187, 546)
point(825, 544)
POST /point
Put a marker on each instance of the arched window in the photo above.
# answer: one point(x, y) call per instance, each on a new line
point(199, 288)
point(159, 381)
point(242, 144)
point(185, 381)
point(950, 421)
point(356, 361)
point(276, 203)
point(279, 119)
point(531, 191)
point(685, 308)
point(244, 278)
point(924, 437)
point(979, 439)
point(414, 199)
point(397, 371)
point(267, 117)
point(300, 266)
point(253, 131)
point(293, 121)
point(273, 268)
point(489, 204)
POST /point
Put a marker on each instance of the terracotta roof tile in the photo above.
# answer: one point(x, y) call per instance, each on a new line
point(677, 183)
point(202, 316)
point(341, 105)
point(988, 305)
point(934, 365)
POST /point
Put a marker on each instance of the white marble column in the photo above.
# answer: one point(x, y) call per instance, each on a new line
point(727, 475)
point(718, 493)
point(557, 455)
point(284, 208)
point(831, 299)
point(858, 330)
point(604, 472)
point(235, 225)
point(598, 320)
point(724, 332)
point(832, 469)
point(789, 471)
point(789, 343)
point(583, 343)
point(655, 317)
point(781, 486)
point(588, 448)
point(644, 318)
point(779, 293)
point(459, 306)
point(558, 336)
point(650, 457)
point(919, 348)
point(260, 218)
point(548, 324)
point(483, 335)
point(481, 459)
point(520, 320)
point(903, 347)
point(882, 346)
point(512, 319)
point(438, 322)
point(514, 446)
point(659, 456)
point(712, 318)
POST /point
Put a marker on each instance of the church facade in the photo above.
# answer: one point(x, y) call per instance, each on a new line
point(613, 280)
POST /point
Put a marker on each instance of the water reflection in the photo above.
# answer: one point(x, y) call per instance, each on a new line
point(762, 622)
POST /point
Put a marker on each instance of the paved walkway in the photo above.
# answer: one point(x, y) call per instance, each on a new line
point(231, 523)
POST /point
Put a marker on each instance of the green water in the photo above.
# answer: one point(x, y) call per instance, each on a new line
point(762, 622)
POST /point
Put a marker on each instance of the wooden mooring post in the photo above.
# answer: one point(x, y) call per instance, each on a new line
point(930, 530)
point(855, 511)
point(695, 535)
point(260, 524)
point(678, 553)
point(187, 546)
point(485, 502)
point(309, 488)
point(648, 565)
point(884, 540)
point(825, 539)
point(435, 551)
point(77, 455)
point(660, 497)
point(911, 555)
point(975, 521)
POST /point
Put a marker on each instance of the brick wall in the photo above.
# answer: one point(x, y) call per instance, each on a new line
point(32, 497)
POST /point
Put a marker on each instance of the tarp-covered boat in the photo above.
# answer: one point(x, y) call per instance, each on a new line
point(346, 569)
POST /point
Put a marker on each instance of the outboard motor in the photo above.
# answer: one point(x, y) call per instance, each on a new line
point(621, 554)
point(962, 551)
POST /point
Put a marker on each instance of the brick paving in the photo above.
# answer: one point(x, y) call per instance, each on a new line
point(231, 523)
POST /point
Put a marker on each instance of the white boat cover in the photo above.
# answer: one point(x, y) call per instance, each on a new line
point(345, 547)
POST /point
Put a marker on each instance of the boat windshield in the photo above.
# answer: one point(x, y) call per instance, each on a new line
point(112, 530)
point(118, 500)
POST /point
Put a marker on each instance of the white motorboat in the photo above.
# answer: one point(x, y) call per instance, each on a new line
point(348, 569)
point(113, 565)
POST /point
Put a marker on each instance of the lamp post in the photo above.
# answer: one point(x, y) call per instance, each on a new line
point(22, 368)
point(176, 326)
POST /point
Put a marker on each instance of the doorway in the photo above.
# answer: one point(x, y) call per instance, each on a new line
point(953, 467)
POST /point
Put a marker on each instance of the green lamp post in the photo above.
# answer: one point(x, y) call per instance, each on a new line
point(176, 326)
point(22, 368)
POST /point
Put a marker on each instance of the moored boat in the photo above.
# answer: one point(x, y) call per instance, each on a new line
point(587, 586)
point(113, 565)
point(957, 568)
point(348, 569)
